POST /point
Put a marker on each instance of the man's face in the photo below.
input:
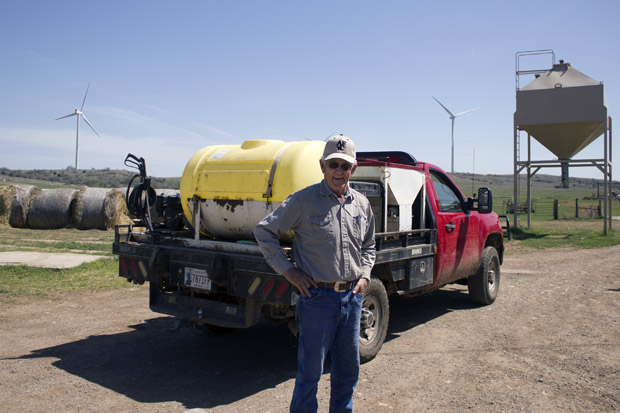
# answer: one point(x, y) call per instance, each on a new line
point(337, 173)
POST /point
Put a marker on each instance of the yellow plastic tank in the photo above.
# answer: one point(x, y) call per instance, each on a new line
point(238, 185)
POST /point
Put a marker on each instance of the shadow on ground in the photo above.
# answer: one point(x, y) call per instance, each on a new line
point(150, 364)
point(409, 312)
point(197, 369)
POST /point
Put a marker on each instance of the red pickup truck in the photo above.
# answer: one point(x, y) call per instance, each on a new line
point(428, 234)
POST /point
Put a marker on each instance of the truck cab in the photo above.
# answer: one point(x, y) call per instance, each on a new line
point(421, 196)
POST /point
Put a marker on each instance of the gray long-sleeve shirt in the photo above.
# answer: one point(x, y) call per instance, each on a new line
point(333, 241)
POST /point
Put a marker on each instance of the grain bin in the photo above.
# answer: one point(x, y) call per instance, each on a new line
point(563, 109)
point(238, 185)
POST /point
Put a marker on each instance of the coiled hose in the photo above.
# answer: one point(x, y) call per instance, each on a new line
point(141, 199)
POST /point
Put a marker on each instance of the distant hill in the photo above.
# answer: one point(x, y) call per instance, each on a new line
point(95, 178)
point(115, 178)
point(539, 181)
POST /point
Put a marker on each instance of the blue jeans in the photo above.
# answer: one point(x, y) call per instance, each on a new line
point(328, 322)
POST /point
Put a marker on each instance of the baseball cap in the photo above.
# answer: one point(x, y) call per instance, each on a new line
point(339, 146)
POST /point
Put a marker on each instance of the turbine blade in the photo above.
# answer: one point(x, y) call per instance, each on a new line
point(73, 114)
point(449, 113)
point(91, 126)
point(85, 94)
point(467, 111)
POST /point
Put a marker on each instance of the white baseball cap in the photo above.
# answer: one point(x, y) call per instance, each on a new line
point(339, 146)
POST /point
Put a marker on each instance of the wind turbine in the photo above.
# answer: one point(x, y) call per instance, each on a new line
point(79, 114)
point(452, 117)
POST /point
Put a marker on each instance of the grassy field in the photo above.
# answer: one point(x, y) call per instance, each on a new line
point(57, 240)
point(23, 281)
point(545, 231)
point(584, 233)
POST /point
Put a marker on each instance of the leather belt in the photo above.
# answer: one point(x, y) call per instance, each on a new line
point(339, 287)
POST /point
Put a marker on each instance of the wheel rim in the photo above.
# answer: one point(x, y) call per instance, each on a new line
point(369, 320)
point(492, 277)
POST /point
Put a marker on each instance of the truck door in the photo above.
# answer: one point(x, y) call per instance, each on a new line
point(457, 231)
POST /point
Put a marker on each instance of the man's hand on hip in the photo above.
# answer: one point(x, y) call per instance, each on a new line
point(361, 286)
point(300, 279)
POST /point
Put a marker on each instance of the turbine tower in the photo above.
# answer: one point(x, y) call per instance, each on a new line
point(79, 114)
point(452, 117)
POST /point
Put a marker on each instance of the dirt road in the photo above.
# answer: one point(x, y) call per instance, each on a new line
point(551, 342)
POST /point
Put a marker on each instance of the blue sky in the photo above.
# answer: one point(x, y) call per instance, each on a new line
point(168, 78)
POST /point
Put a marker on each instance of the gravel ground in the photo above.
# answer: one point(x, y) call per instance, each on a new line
point(551, 342)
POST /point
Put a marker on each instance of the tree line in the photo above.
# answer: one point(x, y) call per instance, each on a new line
point(95, 178)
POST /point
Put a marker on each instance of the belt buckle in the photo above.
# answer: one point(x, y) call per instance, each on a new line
point(337, 286)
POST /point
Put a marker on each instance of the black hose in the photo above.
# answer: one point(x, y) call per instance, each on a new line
point(141, 199)
point(139, 202)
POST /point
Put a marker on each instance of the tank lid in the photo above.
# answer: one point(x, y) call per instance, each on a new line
point(561, 75)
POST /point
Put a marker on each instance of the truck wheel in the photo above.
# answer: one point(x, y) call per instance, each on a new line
point(484, 285)
point(374, 320)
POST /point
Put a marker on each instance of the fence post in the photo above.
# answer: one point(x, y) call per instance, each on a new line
point(599, 209)
point(556, 205)
point(576, 207)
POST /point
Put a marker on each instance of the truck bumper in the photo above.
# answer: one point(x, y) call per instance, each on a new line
point(240, 285)
point(203, 311)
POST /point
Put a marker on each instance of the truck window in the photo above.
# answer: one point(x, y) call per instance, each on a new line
point(449, 201)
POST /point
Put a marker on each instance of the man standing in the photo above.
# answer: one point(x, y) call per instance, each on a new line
point(333, 252)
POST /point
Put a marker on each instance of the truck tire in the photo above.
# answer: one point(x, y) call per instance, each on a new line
point(374, 320)
point(484, 285)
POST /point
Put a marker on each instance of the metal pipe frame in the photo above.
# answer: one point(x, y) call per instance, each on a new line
point(604, 165)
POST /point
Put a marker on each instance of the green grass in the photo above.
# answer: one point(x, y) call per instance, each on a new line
point(23, 281)
point(64, 246)
point(58, 240)
point(566, 233)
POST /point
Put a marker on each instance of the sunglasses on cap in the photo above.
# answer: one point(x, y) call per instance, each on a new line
point(345, 166)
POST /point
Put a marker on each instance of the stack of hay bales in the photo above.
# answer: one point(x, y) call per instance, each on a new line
point(25, 206)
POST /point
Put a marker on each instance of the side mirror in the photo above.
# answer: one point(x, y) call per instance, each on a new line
point(485, 201)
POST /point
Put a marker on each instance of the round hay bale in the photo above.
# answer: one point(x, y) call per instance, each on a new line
point(88, 208)
point(115, 210)
point(51, 209)
point(99, 208)
point(6, 193)
point(20, 203)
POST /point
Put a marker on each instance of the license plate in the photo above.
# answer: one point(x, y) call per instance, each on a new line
point(197, 278)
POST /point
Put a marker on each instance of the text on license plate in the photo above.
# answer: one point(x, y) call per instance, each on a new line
point(197, 278)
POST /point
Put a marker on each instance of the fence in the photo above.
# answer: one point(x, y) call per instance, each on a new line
point(548, 209)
